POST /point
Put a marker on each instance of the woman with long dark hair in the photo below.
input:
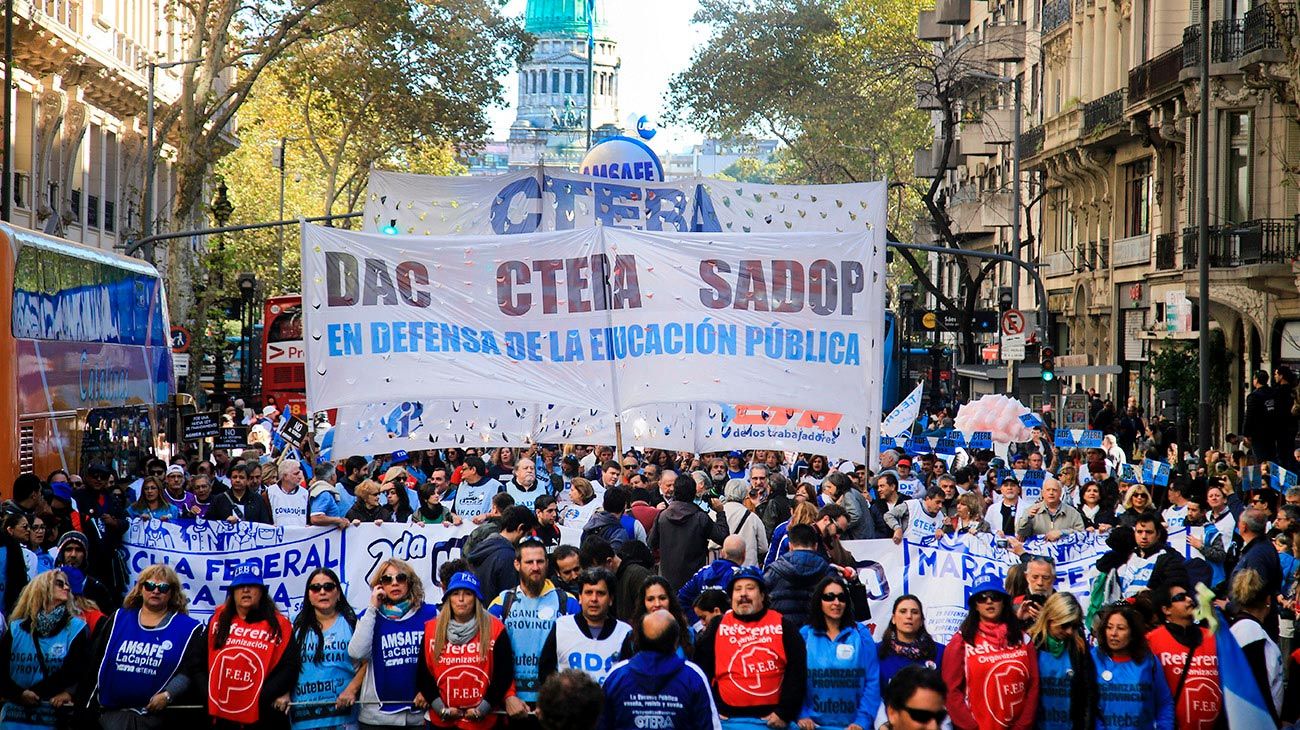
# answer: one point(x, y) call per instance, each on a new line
point(396, 507)
point(151, 504)
point(991, 669)
point(843, 677)
point(327, 675)
point(1131, 686)
point(657, 593)
point(1067, 680)
point(466, 663)
point(906, 641)
point(244, 693)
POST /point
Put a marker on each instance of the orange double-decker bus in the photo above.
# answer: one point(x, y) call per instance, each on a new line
point(85, 358)
point(284, 354)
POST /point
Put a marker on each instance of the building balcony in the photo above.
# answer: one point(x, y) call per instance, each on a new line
point(1166, 252)
point(1031, 142)
point(1156, 76)
point(1056, 14)
point(1262, 31)
point(1132, 251)
point(952, 12)
point(1092, 256)
point(927, 162)
point(1101, 113)
point(973, 142)
point(924, 231)
point(1063, 129)
point(66, 13)
point(974, 213)
point(1005, 42)
point(1057, 263)
point(1261, 241)
point(1227, 42)
point(928, 28)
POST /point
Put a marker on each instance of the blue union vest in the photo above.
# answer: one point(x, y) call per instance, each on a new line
point(320, 684)
point(396, 653)
point(32, 661)
point(139, 662)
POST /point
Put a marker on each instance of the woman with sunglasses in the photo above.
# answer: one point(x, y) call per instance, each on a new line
point(149, 654)
point(906, 641)
point(1067, 680)
point(1137, 503)
point(657, 594)
point(329, 680)
point(44, 652)
point(990, 667)
point(466, 664)
point(1131, 687)
point(369, 506)
point(250, 668)
point(843, 676)
point(388, 636)
point(151, 505)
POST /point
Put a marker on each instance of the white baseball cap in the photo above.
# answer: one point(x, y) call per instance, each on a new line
point(175, 469)
point(269, 411)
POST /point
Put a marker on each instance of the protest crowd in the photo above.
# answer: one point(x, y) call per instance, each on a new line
point(706, 591)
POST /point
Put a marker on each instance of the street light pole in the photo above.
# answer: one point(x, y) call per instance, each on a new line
point(1015, 219)
point(151, 159)
point(283, 155)
point(1203, 236)
point(591, 66)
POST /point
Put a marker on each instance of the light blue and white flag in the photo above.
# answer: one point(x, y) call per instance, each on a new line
point(904, 414)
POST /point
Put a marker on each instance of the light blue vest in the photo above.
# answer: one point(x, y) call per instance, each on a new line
point(320, 684)
point(32, 661)
point(1055, 675)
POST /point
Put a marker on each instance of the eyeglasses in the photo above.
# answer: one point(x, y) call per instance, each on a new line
point(61, 584)
point(925, 717)
point(323, 587)
point(834, 598)
point(388, 580)
point(157, 472)
point(987, 598)
point(37, 528)
point(149, 585)
point(1140, 495)
point(1179, 597)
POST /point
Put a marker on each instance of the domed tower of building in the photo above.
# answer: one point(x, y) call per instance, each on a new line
point(551, 126)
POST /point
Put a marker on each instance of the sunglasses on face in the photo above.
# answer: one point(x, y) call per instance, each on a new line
point(149, 585)
point(399, 578)
point(323, 587)
point(1180, 597)
point(987, 598)
point(61, 584)
point(833, 598)
point(925, 717)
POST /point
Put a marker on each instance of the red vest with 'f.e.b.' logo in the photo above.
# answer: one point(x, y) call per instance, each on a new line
point(750, 660)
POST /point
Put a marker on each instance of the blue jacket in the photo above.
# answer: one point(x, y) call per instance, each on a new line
point(843, 678)
point(1135, 695)
point(656, 690)
point(890, 665)
point(790, 581)
point(714, 575)
point(779, 544)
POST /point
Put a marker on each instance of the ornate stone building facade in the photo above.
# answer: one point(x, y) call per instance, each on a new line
point(552, 119)
point(79, 116)
point(1112, 149)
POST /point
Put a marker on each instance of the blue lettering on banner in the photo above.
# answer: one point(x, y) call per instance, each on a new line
point(1065, 439)
point(1091, 439)
point(501, 223)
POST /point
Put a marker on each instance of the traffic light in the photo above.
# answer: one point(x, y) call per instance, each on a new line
point(1047, 364)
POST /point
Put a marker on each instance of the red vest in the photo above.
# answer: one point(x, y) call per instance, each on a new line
point(1198, 706)
point(237, 671)
point(750, 660)
point(997, 681)
point(461, 674)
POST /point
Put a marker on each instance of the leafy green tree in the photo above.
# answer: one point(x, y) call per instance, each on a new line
point(1176, 367)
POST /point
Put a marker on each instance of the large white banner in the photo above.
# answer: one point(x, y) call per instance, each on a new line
point(600, 318)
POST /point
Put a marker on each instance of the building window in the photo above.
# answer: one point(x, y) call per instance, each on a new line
point(1236, 167)
point(1137, 198)
point(582, 83)
point(568, 82)
point(555, 82)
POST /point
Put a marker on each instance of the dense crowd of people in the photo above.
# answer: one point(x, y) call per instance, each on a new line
point(708, 590)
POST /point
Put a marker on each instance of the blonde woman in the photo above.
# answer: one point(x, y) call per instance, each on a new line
point(389, 635)
point(583, 504)
point(152, 622)
point(368, 507)
point(1067, 679)
point(45, 650)
point(970, 515)
point(462, 647)
point(1137, 503)
point(804, 513)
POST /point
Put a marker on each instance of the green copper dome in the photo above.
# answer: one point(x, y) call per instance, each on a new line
point(562, 17)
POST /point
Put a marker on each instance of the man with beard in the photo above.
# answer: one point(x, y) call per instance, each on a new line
point(529, 613)
point(1141, 559)
point(524, 485)
point(754, 658)
point(566, 564)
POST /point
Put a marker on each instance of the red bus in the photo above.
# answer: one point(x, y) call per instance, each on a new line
point(284, 355)
point(85, 357)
